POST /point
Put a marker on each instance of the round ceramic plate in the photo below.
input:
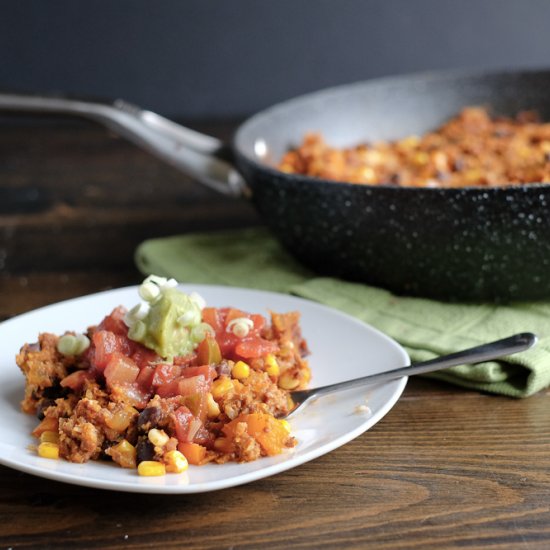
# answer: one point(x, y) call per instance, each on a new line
point(341, 348)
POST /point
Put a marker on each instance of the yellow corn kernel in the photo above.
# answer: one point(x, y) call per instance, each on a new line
point(240, 370)
point(158, 438)
point(121, 419)
point(212, 408)
point(472, 176)
point(288, 382)
point(220, 444)
point(221, 386)
point(285, 424)
point(409, 142)
point(124, 454)
point(151, 468)
point(373, 157)
point(49, 437)
point(421, 158)
point(367, 174)
point(272, 367)
point(440, 161)
point(288, 168)
point(48, 450)
point(175, 462)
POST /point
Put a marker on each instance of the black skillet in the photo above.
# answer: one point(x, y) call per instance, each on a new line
point(470, 244)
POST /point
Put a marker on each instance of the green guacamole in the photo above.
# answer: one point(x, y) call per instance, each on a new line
point(172, 326)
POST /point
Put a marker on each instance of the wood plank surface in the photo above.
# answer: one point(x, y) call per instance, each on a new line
point(446, 468)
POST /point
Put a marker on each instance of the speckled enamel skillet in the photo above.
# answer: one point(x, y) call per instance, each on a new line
point(470, 244)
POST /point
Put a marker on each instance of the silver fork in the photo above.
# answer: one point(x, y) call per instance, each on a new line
point(477, 354)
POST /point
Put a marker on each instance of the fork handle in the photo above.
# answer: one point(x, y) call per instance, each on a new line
point(478, 354)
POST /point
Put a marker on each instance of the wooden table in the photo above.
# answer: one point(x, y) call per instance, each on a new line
point(446, 468)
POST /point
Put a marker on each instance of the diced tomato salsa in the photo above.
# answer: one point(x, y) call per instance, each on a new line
point(252, 345)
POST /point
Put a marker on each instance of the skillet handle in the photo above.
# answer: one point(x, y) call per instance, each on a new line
point(202, 157)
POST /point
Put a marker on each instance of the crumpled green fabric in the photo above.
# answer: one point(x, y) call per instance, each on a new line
point(252, 258)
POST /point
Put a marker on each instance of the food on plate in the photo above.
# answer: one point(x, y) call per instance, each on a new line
point(471, 149)
point(168, 383)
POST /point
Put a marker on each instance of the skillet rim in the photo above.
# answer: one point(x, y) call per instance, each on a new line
point(431, 75)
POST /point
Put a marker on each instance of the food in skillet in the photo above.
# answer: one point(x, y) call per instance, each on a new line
point(471, 149)
point(167, 383)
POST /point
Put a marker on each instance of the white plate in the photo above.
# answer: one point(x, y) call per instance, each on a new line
point(341, 347)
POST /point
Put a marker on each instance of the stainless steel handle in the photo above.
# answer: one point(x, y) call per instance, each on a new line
point(202, 157)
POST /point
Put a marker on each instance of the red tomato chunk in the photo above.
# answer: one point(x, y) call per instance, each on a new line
point(120, 369)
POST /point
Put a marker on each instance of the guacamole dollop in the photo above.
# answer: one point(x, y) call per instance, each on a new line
point(172, 324)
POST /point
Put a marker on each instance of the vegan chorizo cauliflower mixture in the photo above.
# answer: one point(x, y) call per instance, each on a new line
point(471, 149)
point(166, 384)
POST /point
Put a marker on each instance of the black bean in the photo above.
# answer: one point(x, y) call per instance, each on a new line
point(501, 132)
point(459, 164)
point(394, 179)
point(55, 391)
point(223, 368)
point(149, 418)
point(42, 406)
point(145, 450)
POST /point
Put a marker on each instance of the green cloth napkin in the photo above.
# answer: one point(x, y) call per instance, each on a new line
point(426, 328)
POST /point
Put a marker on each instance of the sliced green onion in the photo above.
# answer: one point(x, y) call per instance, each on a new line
point(198, 300)
point(82, 343)
point(71, 344)
point(170, 283)
point(137, 331)
point(198, 333)
point(156, 279)
point(240, 326)
point(67, 344)
point(137, 313)
point(149, 291)
point(190, 317)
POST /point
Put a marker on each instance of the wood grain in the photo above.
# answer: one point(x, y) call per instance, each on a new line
point(446, 468)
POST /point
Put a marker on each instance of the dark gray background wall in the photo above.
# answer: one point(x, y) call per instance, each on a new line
point(205, 58)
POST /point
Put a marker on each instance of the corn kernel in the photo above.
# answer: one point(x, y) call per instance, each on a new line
point(288, 168)
point(421, 158)
point(48, 450)
point(220, 444)
point(49, 437)
point(158, 438)
point(285, 424)
point(221, 386)
point(373, 157)
point(409, 142)
point(272, 367)
point(472, 176)
point(240, 370)
point(212, 408)
point(151, 468)
point(175, 462)
point(367, 174)
point(121, 419)
point(288, 382)
point(124, 454)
